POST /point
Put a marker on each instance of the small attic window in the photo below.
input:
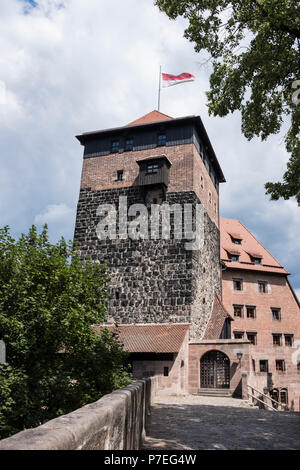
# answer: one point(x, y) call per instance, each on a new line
point(256, 258)
point(233, 257)
point(161, 139)
point(115, 145)
point(236, 238)
point(128, 144)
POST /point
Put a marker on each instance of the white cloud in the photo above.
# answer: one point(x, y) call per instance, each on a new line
point(54, 213)
point(76, 65)
point(59, 218)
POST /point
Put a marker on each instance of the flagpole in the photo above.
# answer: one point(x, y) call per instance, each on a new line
point(159, 88)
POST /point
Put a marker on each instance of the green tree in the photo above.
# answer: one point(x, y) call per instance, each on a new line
point(56, 362)
point(253, 46)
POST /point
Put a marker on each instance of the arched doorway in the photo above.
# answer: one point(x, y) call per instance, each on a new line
point(214, 370)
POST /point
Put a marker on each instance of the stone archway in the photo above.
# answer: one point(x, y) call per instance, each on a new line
point(214, 370)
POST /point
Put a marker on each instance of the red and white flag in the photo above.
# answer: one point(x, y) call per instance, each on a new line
point(168, 79)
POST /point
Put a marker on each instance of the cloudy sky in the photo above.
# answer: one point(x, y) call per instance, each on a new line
point(71, 66)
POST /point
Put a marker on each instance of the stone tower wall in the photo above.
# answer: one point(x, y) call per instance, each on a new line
point(152, 280)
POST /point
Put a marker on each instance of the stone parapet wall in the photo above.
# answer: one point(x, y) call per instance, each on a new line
point(115, 422)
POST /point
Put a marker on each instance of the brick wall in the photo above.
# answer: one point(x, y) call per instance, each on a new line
point(278, 295)
point(100, 173)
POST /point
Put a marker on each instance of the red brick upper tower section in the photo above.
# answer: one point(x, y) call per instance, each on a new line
point(184, 141)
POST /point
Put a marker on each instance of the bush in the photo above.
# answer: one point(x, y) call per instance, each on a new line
point(55, 361)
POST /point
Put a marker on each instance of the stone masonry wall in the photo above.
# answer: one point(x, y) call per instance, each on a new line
point(115, 422)
point(152, 280)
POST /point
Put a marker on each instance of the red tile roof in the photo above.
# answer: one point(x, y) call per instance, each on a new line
point(151, 338)
point(217, 319)
point(249, 248)
point(154, 116)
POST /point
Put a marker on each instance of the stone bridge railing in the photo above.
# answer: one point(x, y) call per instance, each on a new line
point(115, 422)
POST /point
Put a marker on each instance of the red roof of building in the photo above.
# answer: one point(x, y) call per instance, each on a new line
point(150, 338)
point(249, 248)
point(153, 116)
point(217, 319)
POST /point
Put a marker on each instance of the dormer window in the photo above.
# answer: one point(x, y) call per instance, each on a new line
point(236, 238)
point(128, 144)
point(233, 255)
point(161, 140)
point(256, 258)
point(115, 145)
point(154, 171)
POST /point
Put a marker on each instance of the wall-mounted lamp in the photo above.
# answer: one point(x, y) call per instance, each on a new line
point(239, 355)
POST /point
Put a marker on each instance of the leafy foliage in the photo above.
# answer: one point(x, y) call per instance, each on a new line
point(254, 49)
point(55, 361)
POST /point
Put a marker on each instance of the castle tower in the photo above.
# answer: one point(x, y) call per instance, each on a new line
point(154, 161)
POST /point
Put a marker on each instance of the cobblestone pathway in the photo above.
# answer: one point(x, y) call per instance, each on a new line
point(196, 422)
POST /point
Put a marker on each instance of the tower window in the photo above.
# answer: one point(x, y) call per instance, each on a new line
point(201, 182)
point(128, 144)
point(288, 339)
point(262, 287)
point(298, 366)
point(152, 168)
point(280, 365)
point(276, 339)
point(120, 175)
point(238, 334)
point(251, 312)
point(263, 365)
point(209, 197)
point(161, 139)
point(166, 371)
point(115, 145)
point(276, 314)
point(252, 337)
point(238, 311)
point(237, 284)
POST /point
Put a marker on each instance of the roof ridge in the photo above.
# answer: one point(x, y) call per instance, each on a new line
point(154, 111)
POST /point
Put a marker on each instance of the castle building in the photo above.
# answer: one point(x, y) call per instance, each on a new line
point(260, 298)
point(149, 207)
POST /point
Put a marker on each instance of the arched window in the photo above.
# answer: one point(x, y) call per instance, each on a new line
point(283, 396)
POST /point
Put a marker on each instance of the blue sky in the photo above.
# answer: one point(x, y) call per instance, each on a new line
point(70, 66)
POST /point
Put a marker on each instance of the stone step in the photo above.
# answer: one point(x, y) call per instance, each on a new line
point(215, 392)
